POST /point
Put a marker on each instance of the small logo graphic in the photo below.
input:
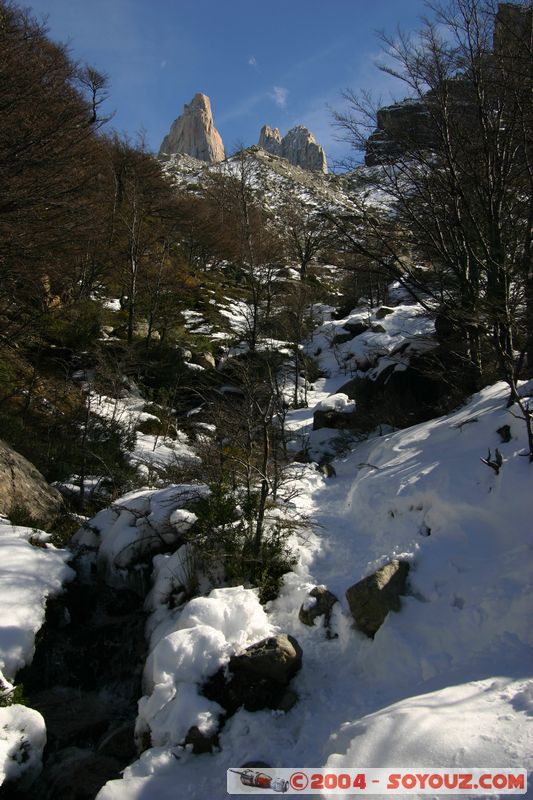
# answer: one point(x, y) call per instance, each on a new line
point(260, 780)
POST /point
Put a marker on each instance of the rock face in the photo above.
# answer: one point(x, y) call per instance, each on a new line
point(194, 133)
point(270, 140)
point(400, 127)
point(371, 599)
point(22, 486)
point(299, 147)
point(512, 29)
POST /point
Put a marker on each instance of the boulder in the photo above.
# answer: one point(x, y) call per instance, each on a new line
point(338, 420)
point(335, 411)
point(298, 146)
point(342, 338)
point(23, 487)
point(258, 677)
point(355, 328)
point(371, 599)
point(383, 312)
point(194, 133)
point(319, 603)
point(277, 658)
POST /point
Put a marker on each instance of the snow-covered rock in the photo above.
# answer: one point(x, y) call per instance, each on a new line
point(122, 539)
point(22, 741)
point(31, 570)
point(185, 650)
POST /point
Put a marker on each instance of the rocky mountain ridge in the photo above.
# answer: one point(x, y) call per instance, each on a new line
point(188, 172)
point(194, 135)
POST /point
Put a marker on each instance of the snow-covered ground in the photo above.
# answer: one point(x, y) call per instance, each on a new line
point(30, 571)
point(445, 682)
point(150, 451)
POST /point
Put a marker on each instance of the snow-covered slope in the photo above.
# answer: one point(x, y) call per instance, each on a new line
point(447, 681)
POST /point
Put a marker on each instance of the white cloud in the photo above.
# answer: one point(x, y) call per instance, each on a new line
point(252, 61)
point(163, 64)
point(279, 95)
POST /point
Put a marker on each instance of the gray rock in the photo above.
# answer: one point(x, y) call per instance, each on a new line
point(22, 486)
point(277, 658)
point(355, 328)
point(258, 678)
point(324, 600)
point(383, 312)
point(371, 599)
point(298, 146)
point(194, 133)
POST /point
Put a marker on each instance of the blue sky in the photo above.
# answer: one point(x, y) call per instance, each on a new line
point(280, 63)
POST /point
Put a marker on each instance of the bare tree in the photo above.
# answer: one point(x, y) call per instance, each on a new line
point(461, 185)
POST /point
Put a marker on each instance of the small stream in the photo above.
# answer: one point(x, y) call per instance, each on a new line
point(85, 679)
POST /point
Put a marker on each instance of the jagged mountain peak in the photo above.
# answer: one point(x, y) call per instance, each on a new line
point(194, 133)
point(298, 146)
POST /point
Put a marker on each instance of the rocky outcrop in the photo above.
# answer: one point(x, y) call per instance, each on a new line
point(299, 147)
point(371, 599)
point(512, 30)
point(407, 126)
point(22, 487)
point(194, 133)
point(400, 127)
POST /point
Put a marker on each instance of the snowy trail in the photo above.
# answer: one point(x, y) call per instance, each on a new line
point(445, 681)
